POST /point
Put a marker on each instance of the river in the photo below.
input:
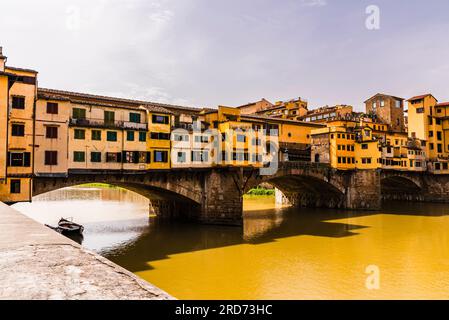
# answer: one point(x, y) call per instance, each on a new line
point(400, 252)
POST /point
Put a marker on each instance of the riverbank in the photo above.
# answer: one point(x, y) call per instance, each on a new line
point(38, 263)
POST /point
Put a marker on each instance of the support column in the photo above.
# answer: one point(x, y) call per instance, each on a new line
point(222, 200)
point(363, 190)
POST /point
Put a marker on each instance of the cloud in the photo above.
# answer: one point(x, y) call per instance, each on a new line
point(313, 3)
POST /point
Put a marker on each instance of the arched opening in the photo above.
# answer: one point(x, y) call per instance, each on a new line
point(400, 188)
point(163, 203)
point(307, 191)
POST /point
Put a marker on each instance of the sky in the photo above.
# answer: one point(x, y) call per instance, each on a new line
point(205, 53)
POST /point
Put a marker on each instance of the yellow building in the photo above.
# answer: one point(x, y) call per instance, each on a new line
point(346, 147)
point(326, 113)
point(158, 142)
point(291, 109)
point(18, 88)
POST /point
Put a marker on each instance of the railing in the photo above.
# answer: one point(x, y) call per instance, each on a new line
point(101, 123)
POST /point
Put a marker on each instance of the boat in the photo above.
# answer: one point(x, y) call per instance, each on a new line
point(67, 227)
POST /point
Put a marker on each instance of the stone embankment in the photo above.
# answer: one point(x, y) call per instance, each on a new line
point(38, 263)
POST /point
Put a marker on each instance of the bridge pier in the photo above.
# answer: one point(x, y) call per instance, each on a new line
point(363, 190)
point(222, 199)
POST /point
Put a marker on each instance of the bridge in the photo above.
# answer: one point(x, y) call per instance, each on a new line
point(215, 195)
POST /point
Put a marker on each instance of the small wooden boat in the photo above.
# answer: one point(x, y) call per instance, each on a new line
point(67, 227)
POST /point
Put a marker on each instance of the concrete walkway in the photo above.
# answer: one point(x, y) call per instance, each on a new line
point(38, 263)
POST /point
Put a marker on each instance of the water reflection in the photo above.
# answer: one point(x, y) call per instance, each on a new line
point(280, 253)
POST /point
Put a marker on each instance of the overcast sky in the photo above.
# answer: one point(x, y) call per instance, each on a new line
point(210, 52)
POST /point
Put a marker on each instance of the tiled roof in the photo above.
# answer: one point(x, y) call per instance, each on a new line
point(443, 104)
point(158, 109)
point(420, 97)
point(260, 117)
point(110, 101)
point(383, 94)
point(20, 69)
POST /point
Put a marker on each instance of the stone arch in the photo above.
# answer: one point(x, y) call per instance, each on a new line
point(307, 190)
point(398, 187)
point(167, 199)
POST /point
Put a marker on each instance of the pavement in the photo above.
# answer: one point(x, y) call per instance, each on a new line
point(39, 263)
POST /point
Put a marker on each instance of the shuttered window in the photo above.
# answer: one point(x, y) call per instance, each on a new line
point(51, 158)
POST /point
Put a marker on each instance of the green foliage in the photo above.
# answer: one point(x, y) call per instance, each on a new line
point(261, 192)
point(99, 185)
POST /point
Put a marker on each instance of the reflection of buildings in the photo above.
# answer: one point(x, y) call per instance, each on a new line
point(257, 223)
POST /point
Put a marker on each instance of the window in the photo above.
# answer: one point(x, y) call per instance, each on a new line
point(79, 113)
point(430, 120)
point(180, 137)
point(241, 138)
point(430, 134)
point(364, 146)
point(130, 135)
point(96, 135)
point(52, 108)
point(115, 157)
point(95, 157)
point(18, 103)
point(131, 156)
point(438, 121)
point(19, 159)
point(111, 136)
point(257, 142)
point(80, 134)
point(332, 136)
point(199, 156)
point(240, 156)
point(134, 117)
point(181, 157)
point(15, 186)
point(382, 103)
point(17, 130)
point(258, 157)
point(419, 110)
point(439, 135)
point(160, 156)
point(339, 159)
point(51, 158)
point(366, 160)
point(201, 139)
point(431, 146)
point(79, 156)
point(51, 132)
point(398, 103)
point(109, 117)
point(160, 136)
point(160, 119)
point(338, 136)
point(142, 136)
point(439, 148)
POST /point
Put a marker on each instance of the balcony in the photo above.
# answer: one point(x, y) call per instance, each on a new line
point(101, 123)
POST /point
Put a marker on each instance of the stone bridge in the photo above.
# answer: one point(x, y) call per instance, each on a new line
point(215, 195)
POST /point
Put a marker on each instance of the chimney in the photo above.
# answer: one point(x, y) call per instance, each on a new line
point(2, 60)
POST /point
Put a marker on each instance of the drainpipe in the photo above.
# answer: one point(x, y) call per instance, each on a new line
point(34, 140)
